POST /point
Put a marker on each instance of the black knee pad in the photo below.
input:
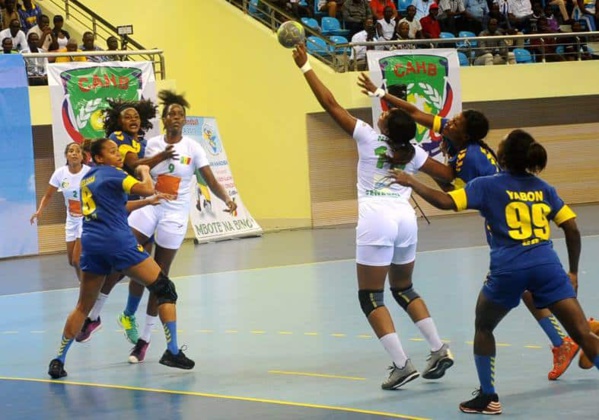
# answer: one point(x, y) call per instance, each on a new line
point(164, 290)
point(404, 296)
point(370, 300)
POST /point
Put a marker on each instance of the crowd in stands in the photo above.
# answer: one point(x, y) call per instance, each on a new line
point(389, 20)
point(25, 29)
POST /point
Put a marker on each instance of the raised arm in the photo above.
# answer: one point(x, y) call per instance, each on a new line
point(45, 200)
point(369, 88)
point(436, 198)
point(322, 93)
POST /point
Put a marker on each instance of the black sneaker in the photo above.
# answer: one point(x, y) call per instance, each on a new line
point(56, 369)
point(178, 360)
point(482, 404)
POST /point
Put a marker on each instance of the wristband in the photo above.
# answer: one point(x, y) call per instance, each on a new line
point(379, 93)
point(306, 67)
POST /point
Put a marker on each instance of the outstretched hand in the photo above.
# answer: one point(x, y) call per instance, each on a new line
point(300, 56)
point(397, 176)
point(366, 84)
point(170, 152)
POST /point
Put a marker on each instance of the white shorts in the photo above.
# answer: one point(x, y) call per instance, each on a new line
point(73, 228)
point(387, 232)
point(168, 227)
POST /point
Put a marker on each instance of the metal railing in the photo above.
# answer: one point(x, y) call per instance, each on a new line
point(76, 11)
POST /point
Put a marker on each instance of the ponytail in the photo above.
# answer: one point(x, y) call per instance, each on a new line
point(521, 154)
point(536, 155)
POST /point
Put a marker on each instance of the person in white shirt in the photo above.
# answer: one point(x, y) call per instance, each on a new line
point(387, 231)
point(43, 31)
point(67, 179)
point(36, 66)
point(358, 53)
point(19, 40)
point(385, 27)
point(422, 8)
point(415, 26)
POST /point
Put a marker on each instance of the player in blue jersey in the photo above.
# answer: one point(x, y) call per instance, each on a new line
point(517, 207)
point(126, 122)
point(109, 245)
point(470, 157)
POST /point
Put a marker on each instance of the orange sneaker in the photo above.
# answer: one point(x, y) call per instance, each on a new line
point(583, 361)
point(562, 357)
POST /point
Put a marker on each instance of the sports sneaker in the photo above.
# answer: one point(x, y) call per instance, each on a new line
point(129, 324)
point(89, 327)
point(138, 353)
point(56, 369)
point(400, 376)
point(562, 357)
point(482, 404)
point(584, 362)
point(178, 360)
point(438, 362)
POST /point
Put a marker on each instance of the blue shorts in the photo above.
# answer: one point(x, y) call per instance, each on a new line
point(106, 263)
point(548, 284)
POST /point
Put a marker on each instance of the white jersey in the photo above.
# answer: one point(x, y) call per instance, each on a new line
point(176, 177)
point(373, 169)
point(69, 185)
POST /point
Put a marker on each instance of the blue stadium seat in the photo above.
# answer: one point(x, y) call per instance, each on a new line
point(332, 26)
point(469, 43)
point(402, 5)
point(464, 62)
point(336, 39)
point(311, 23)
point(522, 55)
point(317, 46)
point(254, 11)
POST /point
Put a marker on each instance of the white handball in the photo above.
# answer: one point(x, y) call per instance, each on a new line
point(290, 34)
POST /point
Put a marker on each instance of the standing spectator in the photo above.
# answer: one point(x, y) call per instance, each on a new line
point(9, 12)
point(493, 51)
point(378, 8)
point(385, 27)
point(430, 25)
point(71, 47)
point(331, 7)
point(450, 15)
point(36, 66)
point(415, 27)
point(29, 12)
point(14, 32)
point(477, 12)
point(62, 37)
point(43, 31)
point(89, 45)
point(355, 12)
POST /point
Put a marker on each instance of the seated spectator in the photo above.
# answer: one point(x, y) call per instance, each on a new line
point(422, 8)
point(450, 15)
point(36, 66)
point(368, 34)
point(551, 19)
point(7, 47)
point(430, 25)
point(71, 47)
point(385, 27)
point(544, 48)
point(9, 12)
point(300, 10)
point(415, 27)
point(519, 14)
point(403, 34)
point(576, 44)
point(586, 10)
point(537, 12)
point(492, 52)
point(90, 45)
point(43, 31)
point(331, 7)
point(378, 8)
point(355, 12)
point(495, 13)
point(29, 13)
point(61, 36)
point(561, 4)
point(19, 40)
point(476, 14)
point(112, 44)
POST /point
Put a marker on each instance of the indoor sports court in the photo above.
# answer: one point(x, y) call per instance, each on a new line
point(274, 326)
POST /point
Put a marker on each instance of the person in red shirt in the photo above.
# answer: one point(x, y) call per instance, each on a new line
point(430, 24)
point(378, 8)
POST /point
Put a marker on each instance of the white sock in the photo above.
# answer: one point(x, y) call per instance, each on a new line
point(393, 346)
point(147, 332)
point(429, 331)
point(95, 312)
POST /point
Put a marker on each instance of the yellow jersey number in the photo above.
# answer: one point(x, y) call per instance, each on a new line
point(528, 224)
point(89, 205)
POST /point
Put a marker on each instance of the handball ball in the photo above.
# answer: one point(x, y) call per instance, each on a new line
point(290, 34)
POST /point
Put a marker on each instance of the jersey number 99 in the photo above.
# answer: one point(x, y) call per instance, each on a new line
point(526, 222)
point(89, 205)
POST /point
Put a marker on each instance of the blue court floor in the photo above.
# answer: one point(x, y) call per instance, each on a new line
point(287, 342)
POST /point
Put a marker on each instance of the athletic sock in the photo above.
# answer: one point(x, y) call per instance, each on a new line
point(132, 304)
point(170, 332)
point(485, 367)
point(551, 327)
point(95, 312)
point(393, 346)
point(149, 324)
point(429, 331)
point(65, 343)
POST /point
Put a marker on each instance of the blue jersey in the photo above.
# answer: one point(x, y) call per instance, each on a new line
point(104, 192)
point(517, 210)
point(128, 144)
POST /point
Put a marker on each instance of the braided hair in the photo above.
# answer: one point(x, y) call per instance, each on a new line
point(145, 108)
point(168, 98)
point(477, 127)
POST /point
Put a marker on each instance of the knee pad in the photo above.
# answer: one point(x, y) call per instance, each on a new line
point(164, 290)
point(404, 296)
point(370, 300)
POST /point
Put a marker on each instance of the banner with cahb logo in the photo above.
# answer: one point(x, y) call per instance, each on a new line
point(209, 220)
point(429, 79)
point(78, 92)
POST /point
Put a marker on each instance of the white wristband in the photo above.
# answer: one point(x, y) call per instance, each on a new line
point(379, 93)
point(306, 67)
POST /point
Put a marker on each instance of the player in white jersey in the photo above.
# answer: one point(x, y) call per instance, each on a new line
point(174, 178)
point(66, 179)
point(387, 227)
